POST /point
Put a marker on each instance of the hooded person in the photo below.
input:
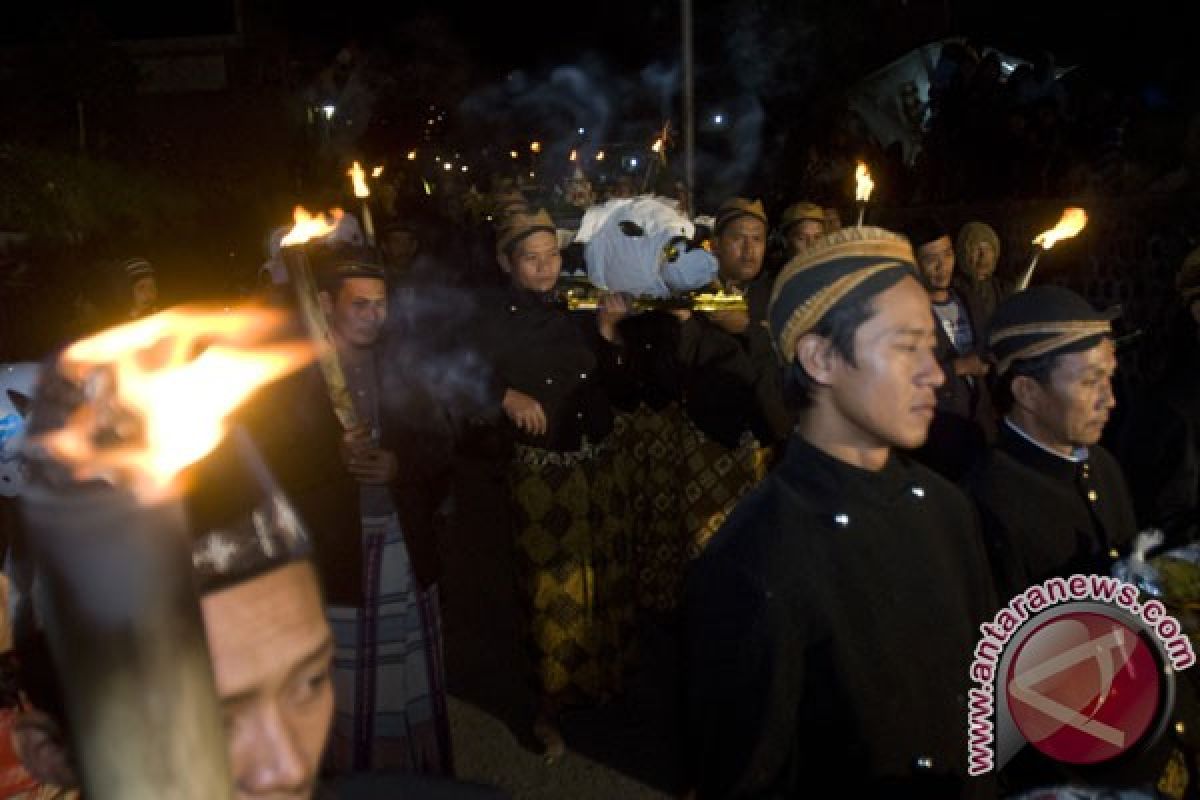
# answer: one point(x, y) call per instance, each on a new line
point(803, 613)
point(977, 252)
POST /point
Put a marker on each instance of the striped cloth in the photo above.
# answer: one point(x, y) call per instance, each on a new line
point(389, 675)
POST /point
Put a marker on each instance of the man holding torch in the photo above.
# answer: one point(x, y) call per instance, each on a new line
point(377, 506)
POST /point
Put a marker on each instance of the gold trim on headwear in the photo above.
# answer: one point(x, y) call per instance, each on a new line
point(1067, 333)
point(518, 225)
point(798, 212)
point(809, 313)
point(736, 207)
point(852, 242)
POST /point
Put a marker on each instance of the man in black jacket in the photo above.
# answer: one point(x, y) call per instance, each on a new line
point(831, 621)
point(1053, 502)
point(369, 496)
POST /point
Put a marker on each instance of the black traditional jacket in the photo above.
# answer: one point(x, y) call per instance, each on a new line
point(829, 627)
point(1046, 516)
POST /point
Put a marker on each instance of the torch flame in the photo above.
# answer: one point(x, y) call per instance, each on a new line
point(863, 183)
point(1072, 222)
point(310, 226)
point(359, 178)
point(574, 155)
point(158, 392)
point(657, 146)
point(375, 173)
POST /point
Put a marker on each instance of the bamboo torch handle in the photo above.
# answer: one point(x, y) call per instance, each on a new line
point(318, 330)
point(368, 223)
point(1023, 284)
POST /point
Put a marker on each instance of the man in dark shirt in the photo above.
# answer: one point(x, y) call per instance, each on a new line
point(830, 623)
point(962, 426)
point(732, 398)
point(1053, 502)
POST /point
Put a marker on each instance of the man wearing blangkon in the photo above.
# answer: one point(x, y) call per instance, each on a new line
point(831, 621)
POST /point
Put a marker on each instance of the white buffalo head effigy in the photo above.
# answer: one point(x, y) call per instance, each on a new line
point(644, 246)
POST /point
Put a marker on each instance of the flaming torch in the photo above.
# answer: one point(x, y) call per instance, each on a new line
point(863, 186)
point(309, 227)
point(359, 179)
point(112, 427)
point(1073, 221)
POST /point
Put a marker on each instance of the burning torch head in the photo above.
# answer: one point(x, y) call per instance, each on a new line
point(134, 405)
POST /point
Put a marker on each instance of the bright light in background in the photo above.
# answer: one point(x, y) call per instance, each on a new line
point(633, 162)
point(437, 158)
point(531, 175)
point(535, 147)
point(574, 155)
point(718, 119)
point(375, 173)
point(600, 155)
point(513, 153)
point(412, 155)
point(464, 167)
point(448, 166)
point(329, 110)
point(582, 131)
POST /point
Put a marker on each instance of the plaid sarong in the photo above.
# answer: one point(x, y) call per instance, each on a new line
point(389, 675)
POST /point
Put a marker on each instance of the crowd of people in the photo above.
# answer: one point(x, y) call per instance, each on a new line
point(823, 491)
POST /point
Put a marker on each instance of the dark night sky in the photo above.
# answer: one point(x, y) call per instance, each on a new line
point(1150, 38)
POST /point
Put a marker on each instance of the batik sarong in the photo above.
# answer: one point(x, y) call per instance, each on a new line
point(573, 570)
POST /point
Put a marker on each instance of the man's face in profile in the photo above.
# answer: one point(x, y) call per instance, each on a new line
point(272, 653)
